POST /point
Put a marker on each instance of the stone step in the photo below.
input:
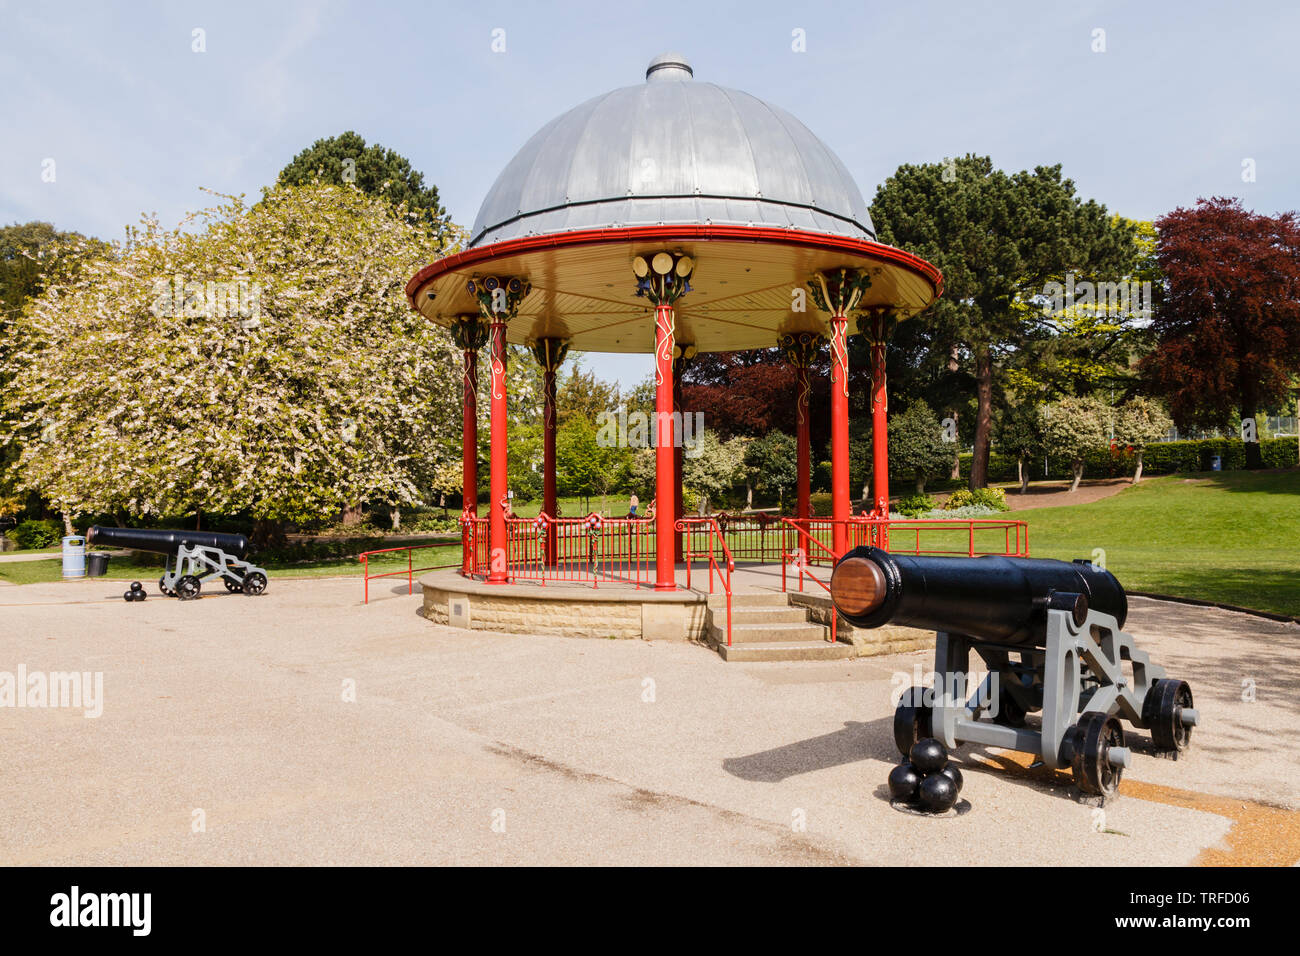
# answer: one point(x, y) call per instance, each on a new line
point(785, 651)
point(718, 599)
point(764, 633)
point(760, 615)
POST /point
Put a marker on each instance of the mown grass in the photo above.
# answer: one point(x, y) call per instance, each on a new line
point(1227, 537)
point(36, 572)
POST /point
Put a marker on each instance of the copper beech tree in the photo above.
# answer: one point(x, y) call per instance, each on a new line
point(1228, 328)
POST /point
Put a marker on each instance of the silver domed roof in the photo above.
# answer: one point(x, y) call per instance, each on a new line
point(670, 151)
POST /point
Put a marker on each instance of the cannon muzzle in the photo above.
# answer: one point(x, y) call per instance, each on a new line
point(992, 598)
point(167, 540)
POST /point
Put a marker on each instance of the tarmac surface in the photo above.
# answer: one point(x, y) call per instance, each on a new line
point(301, 727)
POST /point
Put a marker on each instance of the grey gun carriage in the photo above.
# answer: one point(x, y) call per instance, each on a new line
point(193, 557)
point(1049, 633)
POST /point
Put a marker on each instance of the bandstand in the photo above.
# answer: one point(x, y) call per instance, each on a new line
point(672, 217)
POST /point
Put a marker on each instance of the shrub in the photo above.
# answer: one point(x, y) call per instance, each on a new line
point(914, 506)
point(994, 499)
point(34, 534)
point(964, 511)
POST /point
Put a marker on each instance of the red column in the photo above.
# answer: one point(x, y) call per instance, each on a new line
point(548, 458)
point(497, 568)
point(678, 365)
point(840, 506)
point(469, 437)
point(803, 441)
point(665, 566)
point(879, 428)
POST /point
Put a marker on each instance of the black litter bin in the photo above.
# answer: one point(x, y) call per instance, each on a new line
point(96, 564)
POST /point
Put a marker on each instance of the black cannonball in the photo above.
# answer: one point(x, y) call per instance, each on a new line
point(128, 596)
point(139, 595)
point(929, 755)
point(904, 781)
point(953, 774)
point(938, 793)
point(137, 586)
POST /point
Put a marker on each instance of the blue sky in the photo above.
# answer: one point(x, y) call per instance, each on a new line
point(136, 121)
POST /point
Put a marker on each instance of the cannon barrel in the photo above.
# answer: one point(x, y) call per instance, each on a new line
point(992, 598)
point(167, 540)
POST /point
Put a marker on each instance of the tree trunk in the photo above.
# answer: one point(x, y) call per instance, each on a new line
point(352, 515)
point(67, 524)
point(920, 484)
point(1137, 475)
point(749, 497)
point(395, 515)
point(952, 413)
point(979, 466)
point(268, 533)
point(1022, 472)
point(1078, 476)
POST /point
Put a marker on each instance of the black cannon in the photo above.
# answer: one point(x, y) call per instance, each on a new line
point(1049, 634)
point(192, 558)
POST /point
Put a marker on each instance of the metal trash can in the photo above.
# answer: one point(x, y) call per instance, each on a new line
point(74, 556)
point(96, 564)
point(1216, 463)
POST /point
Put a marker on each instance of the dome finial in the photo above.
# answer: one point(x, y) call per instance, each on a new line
point(668, 67)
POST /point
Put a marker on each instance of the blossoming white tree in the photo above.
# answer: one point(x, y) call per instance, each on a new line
point(266, 362)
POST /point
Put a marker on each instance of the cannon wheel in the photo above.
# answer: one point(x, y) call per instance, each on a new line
point(911, 720)
point(162, 586)
point(1094, 735)
point(1162, 713)
point(231, 586)
point(254, 582)
point(188, 587)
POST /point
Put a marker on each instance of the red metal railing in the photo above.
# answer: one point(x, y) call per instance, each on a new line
point(587, 550)
point(410, 571)
point(474, 545)
point(801, 558)
point(709, 527)
point(939, 536)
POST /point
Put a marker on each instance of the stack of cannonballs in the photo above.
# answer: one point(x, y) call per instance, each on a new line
point(136, 593)
point(926, 780)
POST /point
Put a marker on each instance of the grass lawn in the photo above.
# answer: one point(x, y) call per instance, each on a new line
point(1231, 537)
point(33, 572)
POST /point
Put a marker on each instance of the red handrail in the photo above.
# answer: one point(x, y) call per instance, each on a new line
point(711, 526)
point(410, 571)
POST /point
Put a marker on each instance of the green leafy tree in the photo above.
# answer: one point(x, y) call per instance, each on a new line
point(266, 364)
point(714, 468)
point(581, 393)
point(1073, 427)
point(587, 466)
point(1020, 433)
point(346, 160)
point(770, 466)
point(916, 445)
point(998, 238)
point(1138, 423)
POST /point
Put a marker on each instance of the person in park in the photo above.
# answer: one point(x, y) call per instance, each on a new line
point(632, 505)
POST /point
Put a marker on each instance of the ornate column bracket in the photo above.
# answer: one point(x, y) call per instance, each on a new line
point(877, 323)
point(801, 350)
point(469, 332)
point(664, 277)
point(550, 354)
point(838, 292)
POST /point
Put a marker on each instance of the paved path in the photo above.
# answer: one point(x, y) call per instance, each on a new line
point(226, 738)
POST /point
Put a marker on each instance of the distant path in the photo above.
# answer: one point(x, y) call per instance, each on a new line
point(1051, 494)
point(48, 556)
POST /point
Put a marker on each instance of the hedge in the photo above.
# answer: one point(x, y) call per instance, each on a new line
point(1161, 458)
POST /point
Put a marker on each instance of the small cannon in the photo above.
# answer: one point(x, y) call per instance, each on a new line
point(1049, 634)
point(192, 558)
